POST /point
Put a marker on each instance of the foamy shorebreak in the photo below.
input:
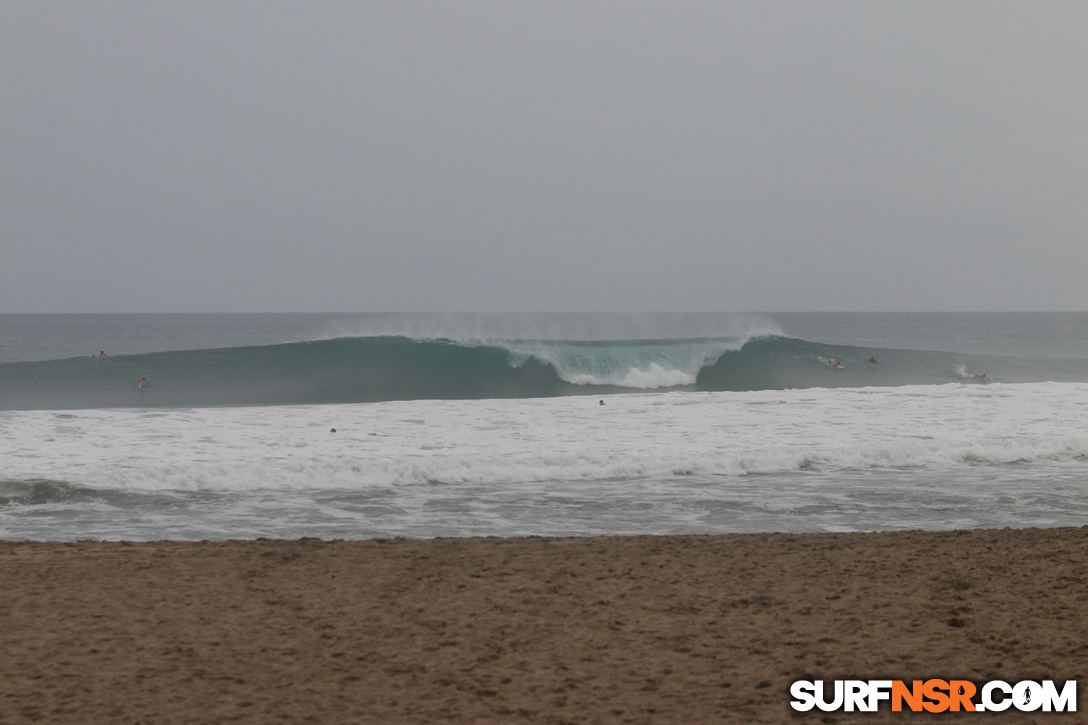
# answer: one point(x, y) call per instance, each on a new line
point(974, 453)
point(569, 438)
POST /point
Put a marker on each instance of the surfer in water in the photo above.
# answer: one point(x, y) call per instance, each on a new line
point(982, 377)
point(872, 361)
point(143, 385)
point(834, 362)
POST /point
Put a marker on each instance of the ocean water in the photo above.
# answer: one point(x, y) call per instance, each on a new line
point(357, 426)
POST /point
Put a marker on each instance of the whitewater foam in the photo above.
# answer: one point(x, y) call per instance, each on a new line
point(641, 364)
point(519, 441)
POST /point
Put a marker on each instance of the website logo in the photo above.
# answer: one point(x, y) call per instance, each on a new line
point(933, 696)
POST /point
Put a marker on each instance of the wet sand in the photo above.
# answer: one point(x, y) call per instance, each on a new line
point(646, 629)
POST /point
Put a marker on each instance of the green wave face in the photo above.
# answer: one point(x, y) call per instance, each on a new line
point(327, 371)
point(353, 370)
point(779, 363)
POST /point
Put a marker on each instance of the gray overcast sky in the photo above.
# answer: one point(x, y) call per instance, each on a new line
point(504, 156)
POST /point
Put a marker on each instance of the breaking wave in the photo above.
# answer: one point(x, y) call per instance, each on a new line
point(371, 369)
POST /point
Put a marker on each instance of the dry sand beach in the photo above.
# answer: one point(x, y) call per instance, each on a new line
point(645, 629)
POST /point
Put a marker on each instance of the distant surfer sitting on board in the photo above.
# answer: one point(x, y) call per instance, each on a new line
point(101, 353)
point(872, 361)
point(143, 384)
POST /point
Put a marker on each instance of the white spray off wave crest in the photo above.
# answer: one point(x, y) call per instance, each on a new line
point(493, 328)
